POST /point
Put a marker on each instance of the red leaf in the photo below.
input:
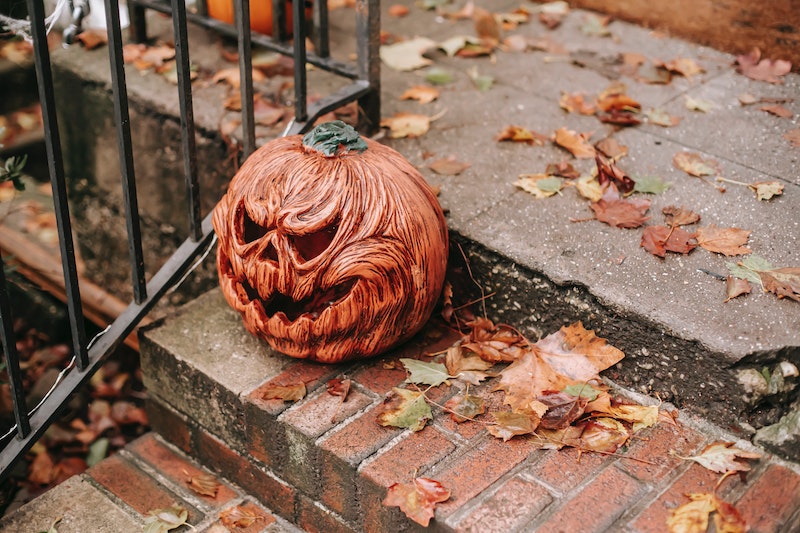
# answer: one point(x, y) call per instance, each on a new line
point(417, 499)
point(658, 240)
point(339, 387)
point(608, 172)
point(562, 409)
point(622, 213)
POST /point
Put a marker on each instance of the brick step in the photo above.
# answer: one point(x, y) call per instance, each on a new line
point(325, 465)
point(117, 495)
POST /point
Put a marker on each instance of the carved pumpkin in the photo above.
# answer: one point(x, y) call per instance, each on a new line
point(260, 14)
point(331, 247)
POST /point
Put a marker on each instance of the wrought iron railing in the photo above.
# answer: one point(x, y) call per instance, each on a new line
point(32, 421)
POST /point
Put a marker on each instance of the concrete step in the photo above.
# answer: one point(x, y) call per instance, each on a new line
point(325, 465)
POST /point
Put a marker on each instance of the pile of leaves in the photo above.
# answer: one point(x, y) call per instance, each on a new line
point(98, 421)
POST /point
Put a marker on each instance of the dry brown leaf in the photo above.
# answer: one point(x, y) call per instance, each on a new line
point(728, 519)
point(526, 379)
point(417, 499)
point(423, 94)
point(736, 287)
point(793, 136)
point(686, 67)
point(692, 517)
point(576, 143)
point(575, 103)
point(777, 110)
point(339, 387)
point(448, 166)
point(694, 165)
point(755, 68)
point(679, 216)
point(658, 240)
point(231, 76)
point(287, 393)
point(406, 125)
point(562, 409)
point(204, 485)
point(766, 189)
point(723, 457)
point(495, 343)
point(520, 134)
point(398, 10)
point(539, 185)
point(622, 213)
point(486, 26)
point(471, 369)
point(609, 173)
point(577, 353)
point(508, 425)
point(726, 241)
point(611, 148)
point(784, 282)
point(92, 38)
point(465, 407)
point(238, 517)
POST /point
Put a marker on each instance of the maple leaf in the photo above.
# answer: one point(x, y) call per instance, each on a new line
point(539, 185)
point(238, 517)
point(728, 519)
point(407, 55)
point(495, 343)
point(577, 353)
point(784, 282)
point(576, 143)
point(520, 134)
point(722, 457)
point(766, 189)
point(166, 519)
point(777, 110)
point(404, 408)
point(465, 407)
point(658, 240)
point(726, 241)
point(423, 373)
point(562, 409)
point(421, 93)
point(406, 125)
point(755, 68)
point(417, 499)
point(526, 379)
point(575, 102)
point(470, 369)
point(339, 387)
point(204, 485)
point(448, 166)
point(679, 216)
point(611, 148)
point(694, 165)
point(608, 172)
point(287, 393)
point(622, 213)
point(508, 425)
point(736, 287)
point(604, 435)
point(617, 101)
point(692, 517)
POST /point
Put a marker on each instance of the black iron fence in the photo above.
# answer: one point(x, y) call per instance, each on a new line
point(32, 421)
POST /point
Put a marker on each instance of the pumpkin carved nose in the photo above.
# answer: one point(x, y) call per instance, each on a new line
point(312, 245)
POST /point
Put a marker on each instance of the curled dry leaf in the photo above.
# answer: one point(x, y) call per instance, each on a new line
point(520, 134)
point(231, 76)
point(287, 393)
point(471, 369)
point(755, 68)
point(658, 240)
point(204, 485)
point(698, 104)
point(736, 287)
point(406, 125)
point(166, 519)
point(783, 282)
point(684, 66)
point(777, 110)
point(611, 148)
point(724, 457)
point(417, 499)
point(92, 38)
point(694, 165)
point(589, 188)
point(576, 143)
point(563, 169)
point(404, 408)
point(659, 117)
point(608, 172)
point(679, 216)
point(766, 189)
point(495, 343)
point(692, 517)
point(238, 517)
point(575, 103)
point(562, 409)
point(423, 94)
point(539, 185)
point(339, 387)
point(726, 241)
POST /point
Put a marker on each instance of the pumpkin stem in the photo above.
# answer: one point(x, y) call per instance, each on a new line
point(332, 138)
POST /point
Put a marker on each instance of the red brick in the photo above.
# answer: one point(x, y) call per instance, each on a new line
point(312, 374)
point(771, 500)
point(314, 518)
point(597, 505)
point(413, 454)
point(176, 468)
point(170, 424)
point(508, 509)
point(360, 438)
point(262, 520)
point(566, 468)
point(695, 479)
point(655, 446)
point(376, 377)
point(135, 488)
point(320, 414)
point(476, 470)
point(269, 489)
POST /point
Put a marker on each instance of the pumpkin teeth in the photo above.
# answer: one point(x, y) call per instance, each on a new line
point(312, 307)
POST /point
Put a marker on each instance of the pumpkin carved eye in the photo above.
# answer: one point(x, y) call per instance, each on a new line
point(249, 229)
point(313, 244)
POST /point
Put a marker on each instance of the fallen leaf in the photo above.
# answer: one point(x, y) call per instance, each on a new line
point(526, 379)
point(777, 110)
point(508, 425)
point(482, 82)
point(398, 10)
point(622, 213)
point(407, 55)
point(724, 457)
point(577, 353)
point(692, 517)
point(154, 56)
point(562, 409)
point(463, 13)
point(596, 25)
point(726, 241)
point(417, 499)
point(516, 43)
point(650, 184)
point(749, 267)
point(736, 287)
point(238, 517)
point(575, 143)
point(339, 387)
point(793, 136)
point(438, 76)
point(589, 188)
point(611, 148)
point(694, 165)
point(204, 485)
point(659, 117)
point(466, 368)
point(267, 113)
point(766, 189)
point(755, 68)
point(406, 125)
point(698, 104)
point(421, 93)
point(520, 134)
point(783, 282)
point(728, 519)
point(454, 44)
point(495, 343)
point(231, 76)
point(465, 407)
point(658, 240)
point(166, 519)
point(575, 103)
point(486, 26)
point(748, 99)
point(92, 38)
point(42, 469)
point(448, 166)
point(539, 185)
point(679, 216)
point(423, 373)
point(404, 408)
point(604, 435)
point(563, 169)
point(582, 390)
point(686, 67)
point(609, 172)
point(287, 393)
point(641, 416)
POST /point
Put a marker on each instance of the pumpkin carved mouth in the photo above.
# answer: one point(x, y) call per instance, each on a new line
point(282, 304)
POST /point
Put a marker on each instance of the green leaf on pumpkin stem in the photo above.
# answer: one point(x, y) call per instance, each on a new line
point(332, 137)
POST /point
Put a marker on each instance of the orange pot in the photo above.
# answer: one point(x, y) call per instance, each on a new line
point(260, 14)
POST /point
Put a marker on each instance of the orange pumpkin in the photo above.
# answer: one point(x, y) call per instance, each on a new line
point(331, 247)
point(260, 14)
